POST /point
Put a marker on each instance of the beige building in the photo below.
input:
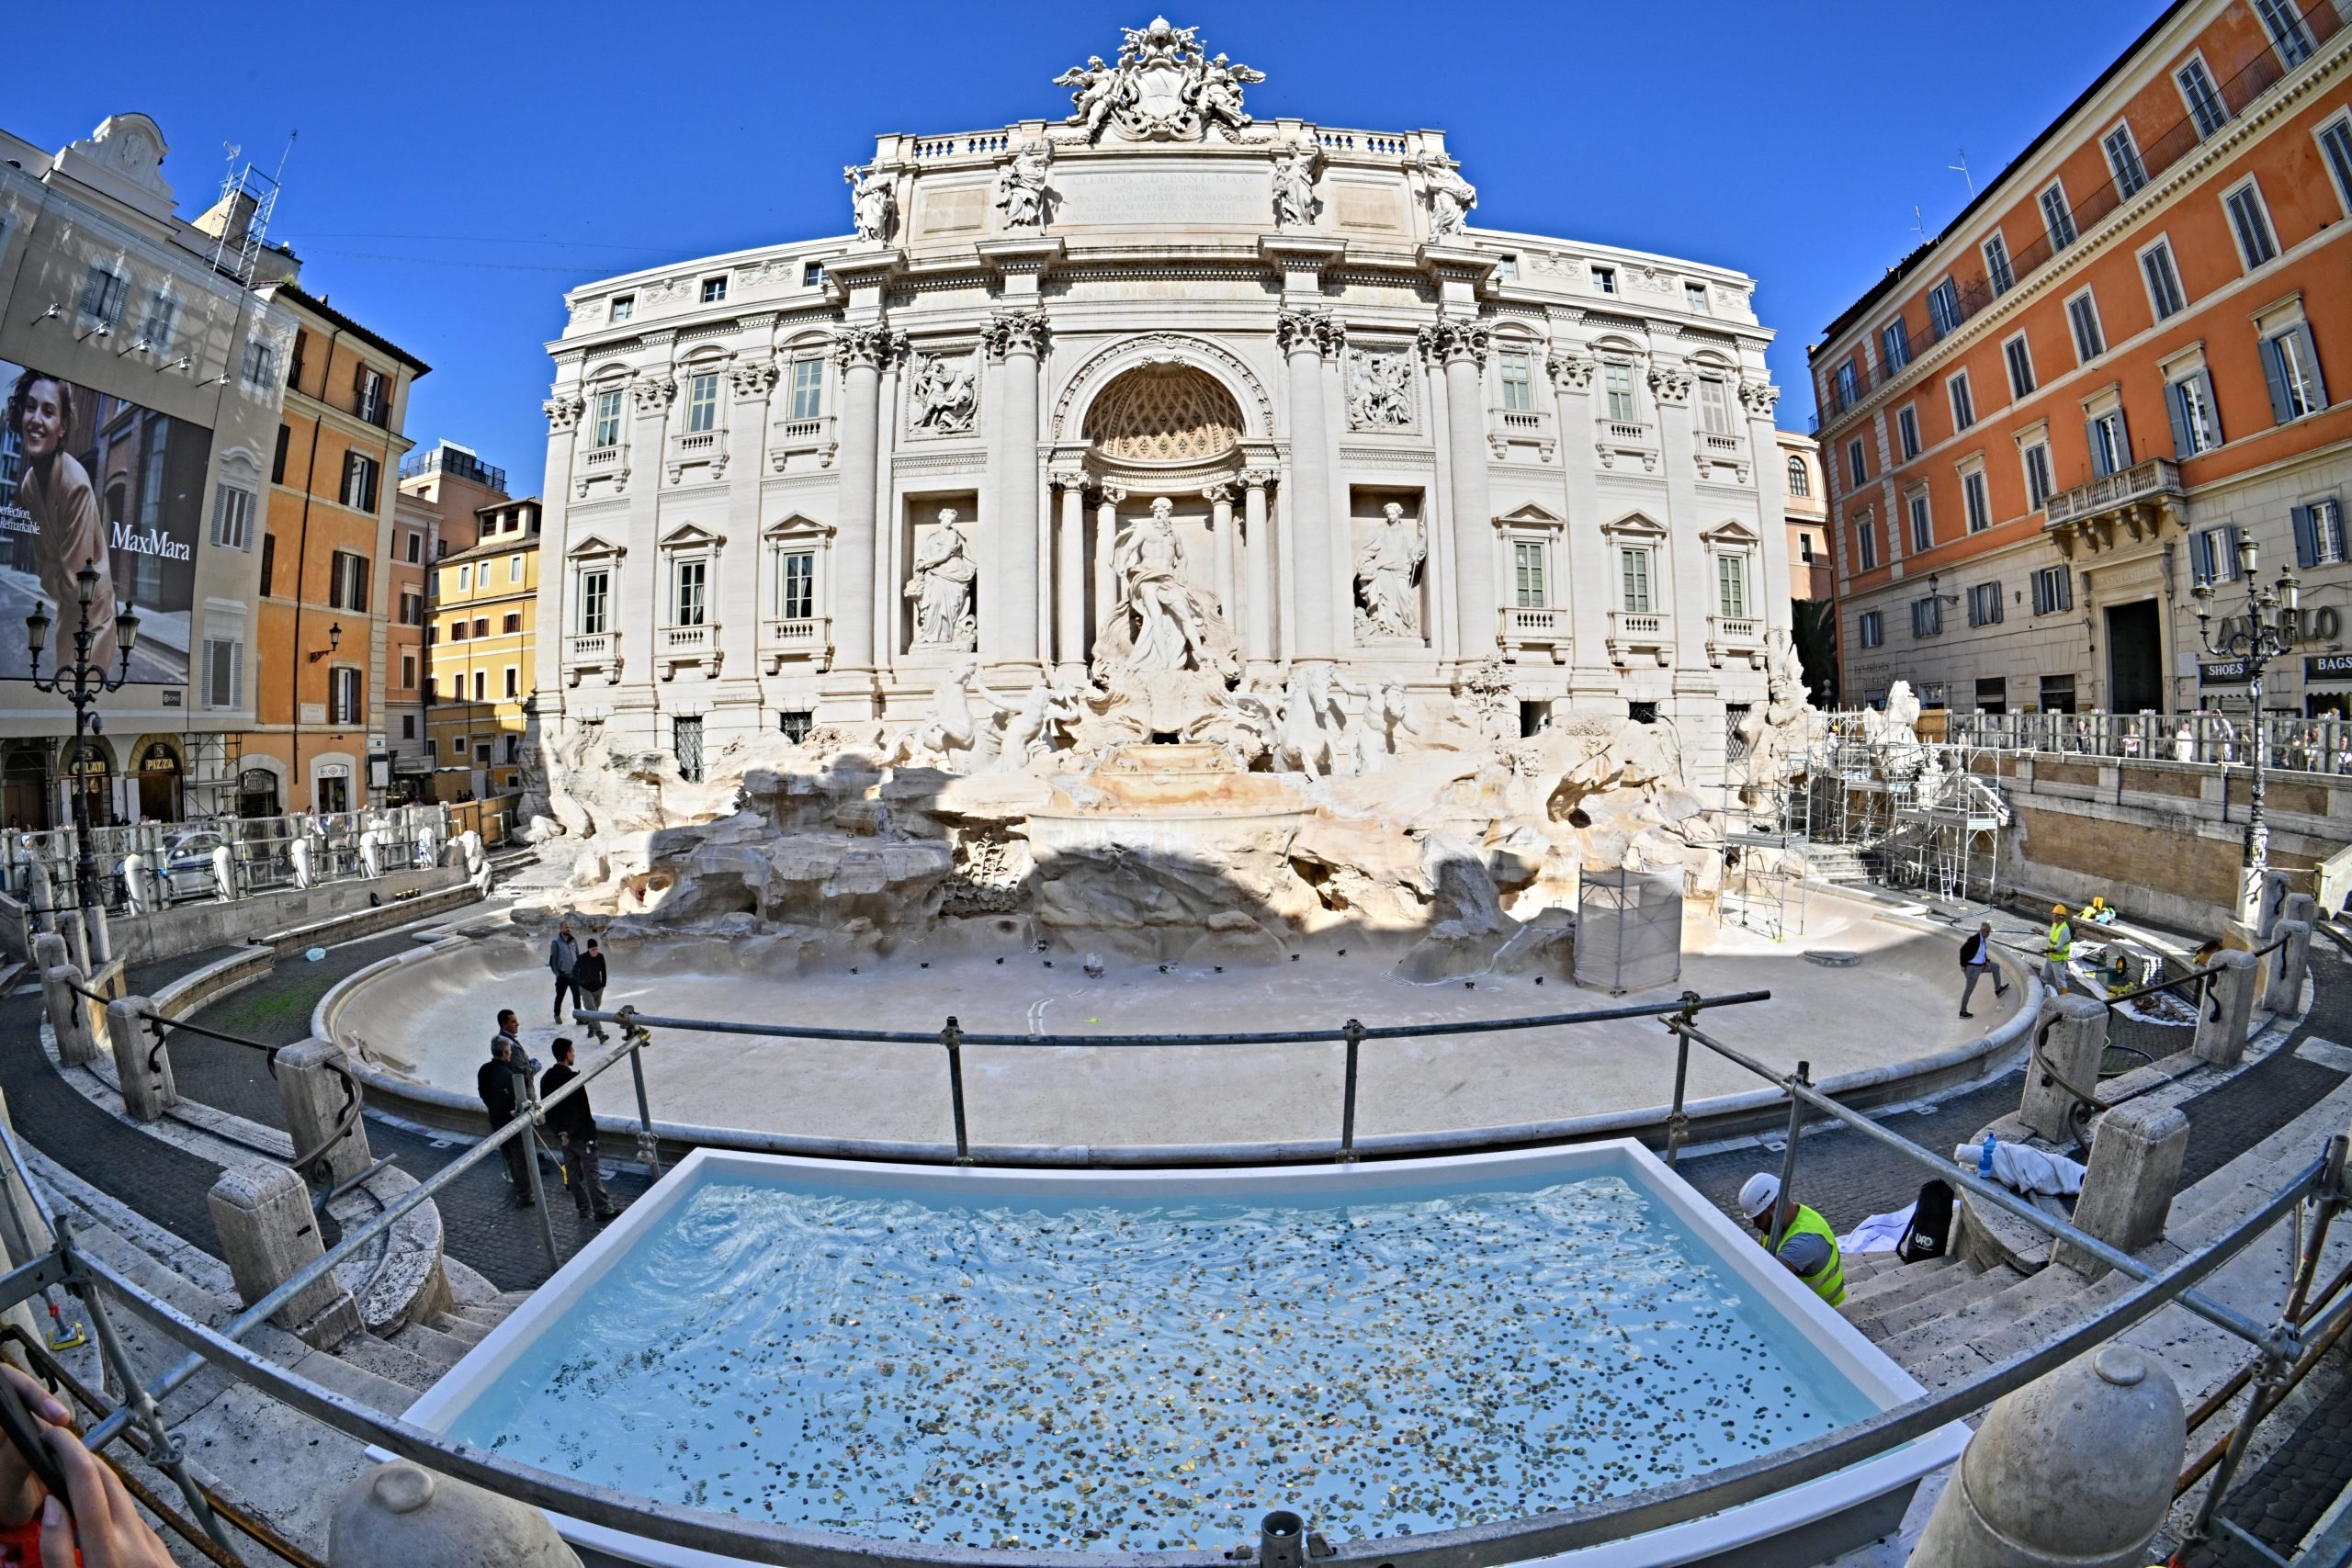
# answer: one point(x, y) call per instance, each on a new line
point(1805, 503)
point(481, 638)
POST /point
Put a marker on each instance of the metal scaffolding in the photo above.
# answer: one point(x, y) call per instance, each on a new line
point(1916, 814)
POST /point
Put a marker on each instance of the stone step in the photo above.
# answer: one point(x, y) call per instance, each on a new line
point(390, 1361)
point(1906, 1284)
point(457, 1327)
point(442, 1350)
point(1928, 1317)
point(484, 1315)
point(1863, 1266)
point(509, 1300)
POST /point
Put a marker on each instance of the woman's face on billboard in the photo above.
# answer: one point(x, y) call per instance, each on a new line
point(41, 420)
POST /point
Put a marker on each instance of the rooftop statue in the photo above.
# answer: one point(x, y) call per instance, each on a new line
point(1164, 87)
point(872, 206)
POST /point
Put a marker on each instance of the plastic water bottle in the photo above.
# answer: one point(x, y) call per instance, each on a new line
point(1985, 1158)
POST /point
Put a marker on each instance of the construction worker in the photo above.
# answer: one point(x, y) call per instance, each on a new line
point(1808, 1247)
point(2058, 952)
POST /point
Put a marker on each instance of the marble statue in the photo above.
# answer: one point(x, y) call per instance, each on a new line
point(1097, 87)
point(1375, 729)
point(1450, 199)
point(953, 725)
point(1386, 569)
point(300, 854)
point(1380, 391)
point(224, 874)
point(1029, 729)
point(942, 396)
point(1021, 189)
point(941, 587)
point(873, 208)
point(1164, 86)
point(1294, 187)
point(371, 853)
point(1167, 627)
point(1300, 730)
point(137, 889)
point(1217, 91)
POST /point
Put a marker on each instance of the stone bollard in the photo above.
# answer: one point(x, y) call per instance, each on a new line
point(142, 1064)
point(402, 1516)
point(312, 1094)
point(2074, 1469)
point(2221, 1039)
point(2285, 996)
point(267, 1235)
point(2299, 907)
point(69, 1009)
point(2128, 1182)
point(2073, 1032)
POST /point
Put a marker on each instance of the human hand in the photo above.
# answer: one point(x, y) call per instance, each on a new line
point(20, 1493)
point(105, 1524)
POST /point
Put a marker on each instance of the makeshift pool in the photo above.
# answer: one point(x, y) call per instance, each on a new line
point(1025, 1361)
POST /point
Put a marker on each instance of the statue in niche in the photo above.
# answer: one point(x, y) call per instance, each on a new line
point(941, 587)
point(871, 204)
point(1450, 199)
point(1294, 187)
point(1385, 571)
point(943, 393)
point(1021, 189)
point(1166, 627)
point(953, 725)
point(1380, 391)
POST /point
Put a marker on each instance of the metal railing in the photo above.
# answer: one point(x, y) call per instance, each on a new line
point(2278, 1347)
point(2292, 744)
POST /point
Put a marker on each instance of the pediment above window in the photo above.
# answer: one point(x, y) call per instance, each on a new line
point(1729, 534)
point(691, 536)
point(595, 546)
point(1635, 524)
point(798, 526)
point(1529, 517)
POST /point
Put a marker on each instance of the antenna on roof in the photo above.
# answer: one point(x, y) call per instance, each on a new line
point(1960, 169)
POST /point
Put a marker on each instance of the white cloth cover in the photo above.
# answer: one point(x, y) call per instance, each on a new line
point(2027, 1170)
point(1880, 1233)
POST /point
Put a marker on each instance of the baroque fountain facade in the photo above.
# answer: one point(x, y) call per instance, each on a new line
point(1166, 522)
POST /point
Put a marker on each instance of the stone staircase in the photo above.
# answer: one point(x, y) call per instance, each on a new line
point(1836, 863)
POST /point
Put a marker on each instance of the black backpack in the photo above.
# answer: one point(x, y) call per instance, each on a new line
point(1930, 1231)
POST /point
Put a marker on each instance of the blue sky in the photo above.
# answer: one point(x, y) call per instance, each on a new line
point(458, 167)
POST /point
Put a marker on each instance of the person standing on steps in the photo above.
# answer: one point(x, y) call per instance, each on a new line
point(563, 957)
point(502, 1083)
point(1976, 961)
point(2058, 952)
point(1808, 1247)
point(588, 976)
point(575, 1126)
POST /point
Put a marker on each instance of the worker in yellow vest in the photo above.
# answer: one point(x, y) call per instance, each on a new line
point(2058, 951)
point(1808, 1247)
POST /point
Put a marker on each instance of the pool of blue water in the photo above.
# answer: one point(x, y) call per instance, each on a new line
point(1144, 1375)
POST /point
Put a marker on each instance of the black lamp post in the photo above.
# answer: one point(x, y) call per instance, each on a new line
point(2267, 630)
point(83, 683)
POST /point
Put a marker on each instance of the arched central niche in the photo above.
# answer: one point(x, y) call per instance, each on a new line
point(1164, 413)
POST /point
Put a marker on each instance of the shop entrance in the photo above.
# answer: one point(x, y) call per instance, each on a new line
point(2135, 676)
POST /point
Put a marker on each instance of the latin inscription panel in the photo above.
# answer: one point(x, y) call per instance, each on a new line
point(1163, 199)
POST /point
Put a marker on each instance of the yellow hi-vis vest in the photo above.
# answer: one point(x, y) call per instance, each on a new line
point(2062, 941)
point(1828, 1282)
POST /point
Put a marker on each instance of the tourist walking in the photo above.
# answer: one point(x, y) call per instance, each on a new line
point(502, 1082)
point(563, 957)
point(1975, 960)
point(575, 1126)
point(1808, 1247)
point(588, 986)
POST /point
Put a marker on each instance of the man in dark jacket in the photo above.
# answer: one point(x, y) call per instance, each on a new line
point(575, 1126)
point(1975, 959)
point(588, 975)
point(502, 1082)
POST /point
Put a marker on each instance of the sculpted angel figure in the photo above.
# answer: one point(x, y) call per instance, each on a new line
point(1450, 199)
point(1021, 189)
point(871, 204)
point(1385, 573)
point(1216, 89)
point(1295, 188)
point(941, 587)
point(1097, 92)
point(1148, 565)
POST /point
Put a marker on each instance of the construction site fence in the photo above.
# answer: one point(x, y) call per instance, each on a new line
point(2290, 743)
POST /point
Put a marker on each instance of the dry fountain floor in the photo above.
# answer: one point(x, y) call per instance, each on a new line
point(432, 1020)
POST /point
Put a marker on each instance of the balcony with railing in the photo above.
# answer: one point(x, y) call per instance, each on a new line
point(1734, 636)
point(2135, 501)
point(785, 640)
point(1615, 438)
point(1526, 626)
point(693, 448)
point(592, 653)
point(455, 462)
point(787, 437)
point(675, 648)
point(1633, 632)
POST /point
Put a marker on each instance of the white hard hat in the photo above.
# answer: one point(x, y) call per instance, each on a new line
point(1757, 1195)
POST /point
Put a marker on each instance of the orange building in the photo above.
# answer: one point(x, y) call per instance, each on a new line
point(2129, 353)
point(320, 653)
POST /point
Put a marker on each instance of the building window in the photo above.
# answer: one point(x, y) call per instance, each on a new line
point(1943, 308)
point(595, 591)
point(807, 388)
point(1869, 628)
point(2291, 367)
point(812, 274)
point(606, 431)
point(1635, 560)
point(685, 732)
point(224, 664)
point(1519, 386)
point(1866, 540)
point(360, 473)
point(1997, 270)
point(1506, 268)
point(2336, 149)
point(2057, 693)
point(2204, 103)
point(411, 609)
point(1731, 585)
point(347, 581)
point(232, 517)
point(2020, 359)
point(408, 726)
point(1617, 380)
point(2319, 533)
point(702, 404)
point(2213, 554)
point(688, 581)
point(1973, 497)
point(458, 631)
point(1856, 462)
point(2057, 218)
point(1694, 297)
point(1800, 478)
point(797, 724)
point(2111, 442)
point(408, 671)
point(1907, 431)
point(277, 458)
point(2165, 296)
point(466, 578)
point(268, 561)
point(2037, 484)
point(1527, 574)
point(261, 365)
point(2196, 424)
point(1923, 529)
point(1984, 604)
point(1848, 384)
point(1926, 616)
point(1895, 344)
point(514, 569)
point(343, 700)
point(511, 623)
point(624, 306)
point(369, 399)
point(2123, 157)
point(713, 289)
point(415, 547)
point(2285, 24)
point(104, 291)
point(482, 626)
point(2053, 589)
point(2082, 315)
point(162, 315)
point(2250, 224)
point(1604, 280)
point(796, 585)
point(1993, 695)
point(1714, 406)
point(1964, 400)
point(514, 682)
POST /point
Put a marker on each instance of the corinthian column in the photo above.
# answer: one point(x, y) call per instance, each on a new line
point(1106, 535)
point(1462, 346)
point(1070, 575)
point(1258, 597)
point(859, 351)
point(1220, 500)
point(1304, 336)
point(1009, 614)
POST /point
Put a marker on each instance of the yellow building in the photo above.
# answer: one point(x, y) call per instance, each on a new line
point(479, 652)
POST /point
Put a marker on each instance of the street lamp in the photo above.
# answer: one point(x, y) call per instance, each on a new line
point(2267, 630)
point(81, 683)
